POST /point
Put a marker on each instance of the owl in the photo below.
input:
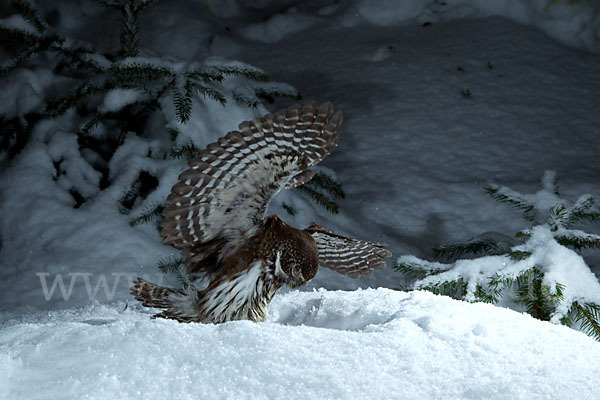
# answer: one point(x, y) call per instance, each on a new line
point(216, 216)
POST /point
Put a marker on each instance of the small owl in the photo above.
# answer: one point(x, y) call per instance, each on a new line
point(216, 216)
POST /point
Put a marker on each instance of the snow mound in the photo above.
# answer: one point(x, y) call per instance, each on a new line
point(278, 27)
point(118, 98)
point(573, 23)
point(374, 343)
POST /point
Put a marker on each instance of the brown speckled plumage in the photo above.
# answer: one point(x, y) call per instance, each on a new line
point(216, 216)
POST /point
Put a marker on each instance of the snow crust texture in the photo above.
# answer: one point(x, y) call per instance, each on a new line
point(572, 23)
point(367, 344)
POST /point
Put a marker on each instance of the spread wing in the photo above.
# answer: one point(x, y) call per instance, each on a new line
point(222, 198)
point(348, 256)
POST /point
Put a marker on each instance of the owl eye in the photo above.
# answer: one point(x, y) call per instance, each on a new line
point(294, 269)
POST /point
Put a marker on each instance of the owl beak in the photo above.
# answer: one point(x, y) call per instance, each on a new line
point(296, 278)
point(294, 283)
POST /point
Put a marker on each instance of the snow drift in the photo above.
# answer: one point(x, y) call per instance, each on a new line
point(374, 343)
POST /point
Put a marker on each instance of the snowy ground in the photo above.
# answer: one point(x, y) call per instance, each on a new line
point(413, 159)
point(370, 344)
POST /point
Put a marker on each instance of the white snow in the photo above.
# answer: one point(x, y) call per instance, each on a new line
point(278, 26)
point(119, 98)
point(559, 265)
point(17, 22)
point(387, 12)
point(24, 93)
point(572, 23)
point(562, 265)
point(364, 344)
point(414, 156)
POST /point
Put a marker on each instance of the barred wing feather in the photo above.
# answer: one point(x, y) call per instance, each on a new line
point(348, 256)
point(223, 196)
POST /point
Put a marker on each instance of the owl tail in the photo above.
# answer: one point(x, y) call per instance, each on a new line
point(178, 304)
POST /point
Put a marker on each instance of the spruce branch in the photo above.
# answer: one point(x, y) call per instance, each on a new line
point(417, 270)
point(290, 210)
point(170, 264)
point(187, 151)
point(18, 36)
point(454, 288)
point(584, 209)
point(176, 266)
point(76, 59)
point(524, 234)
point(186, 280)
point(166, 88)
point(143, 4)
point(246, 99)
point(320, 199)
point(217, 73)
point(269, 94)
point(93, 123)
point(328, 184)
point(579, 242)
point(61, 104)
point(323, 190)
point(182, 100)
point(204, 75)
point(128, 198)
point(246, 72)
point(518, 255)
point(539, 299)
point(557, 295)
point(31, 45)
point(512, 198)
point(149, 214)
point(173, 133)
point(21, 58)
point(129, 10)
point(454, 251)
point(515, 277)
point(490, 295)
point(588, 315)
point(30, 14)
point(129, 29)
point(125, 115)
point(140, 187)
point(208, 92)
point(38, 42)
point(133, 74)
point(501, 282)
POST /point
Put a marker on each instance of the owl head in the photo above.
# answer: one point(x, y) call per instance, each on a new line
point(300, 260)
point(295, 252)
